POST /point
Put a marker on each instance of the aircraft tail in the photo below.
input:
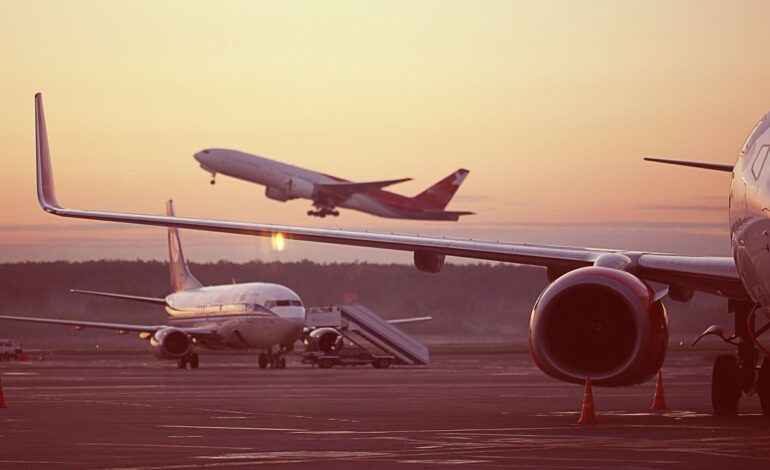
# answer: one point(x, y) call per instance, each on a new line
point(181, 277)
point(438, 196)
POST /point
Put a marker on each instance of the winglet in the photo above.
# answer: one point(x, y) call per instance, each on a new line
point(703, 165)
point(46, 192)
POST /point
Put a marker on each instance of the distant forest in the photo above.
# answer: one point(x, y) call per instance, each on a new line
point(474, 303)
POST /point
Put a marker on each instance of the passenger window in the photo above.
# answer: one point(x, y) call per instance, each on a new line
point(759, 162)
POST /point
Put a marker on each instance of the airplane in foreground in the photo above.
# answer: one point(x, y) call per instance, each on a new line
point(284, 182)
point(601, 316)
point(253, 315)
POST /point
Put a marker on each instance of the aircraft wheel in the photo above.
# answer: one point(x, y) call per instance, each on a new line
point(763, 386)
point(325, 363)
point(385, 363)
point(194, 361)
point(182, 363)
point(725, 390)
point(262, 361)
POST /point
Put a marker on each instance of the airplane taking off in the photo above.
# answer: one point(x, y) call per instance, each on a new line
point(254, 315)
point(285, 182)
point(600, 317)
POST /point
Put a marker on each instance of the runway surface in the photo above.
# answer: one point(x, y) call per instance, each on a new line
point(473, 411)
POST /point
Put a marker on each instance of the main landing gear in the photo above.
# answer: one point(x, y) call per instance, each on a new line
point(192, 360)
point(273, 358)
point(739, 374)
point(323, 212)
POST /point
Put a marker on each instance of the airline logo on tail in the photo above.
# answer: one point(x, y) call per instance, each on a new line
point(438, 196)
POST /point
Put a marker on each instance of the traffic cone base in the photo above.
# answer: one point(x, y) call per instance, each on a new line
point(587, 412)
point(659, 400)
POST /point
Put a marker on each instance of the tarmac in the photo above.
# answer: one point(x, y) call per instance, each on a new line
point(472, 411)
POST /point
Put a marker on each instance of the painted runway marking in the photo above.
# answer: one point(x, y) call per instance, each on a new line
point(230, 428)
point(160, 446)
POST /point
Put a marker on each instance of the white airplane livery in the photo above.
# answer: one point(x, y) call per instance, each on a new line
point(254, 315)
point(284, 182)
point(602, 315)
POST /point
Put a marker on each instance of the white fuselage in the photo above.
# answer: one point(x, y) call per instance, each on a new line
point(246, 316)
point(292, 182)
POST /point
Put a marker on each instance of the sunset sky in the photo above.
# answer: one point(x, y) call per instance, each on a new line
point(551, 105)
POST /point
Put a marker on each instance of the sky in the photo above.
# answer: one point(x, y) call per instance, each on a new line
point(550, 104)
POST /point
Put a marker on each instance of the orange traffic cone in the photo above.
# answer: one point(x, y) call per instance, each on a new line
point(659, 402)
point(2, 397)
point(587, 413)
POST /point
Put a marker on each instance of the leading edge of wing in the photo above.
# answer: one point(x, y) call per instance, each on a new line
point(135, 298)
point(86, 324)
point(560, 258)
point(353, 187)
point(568, 258)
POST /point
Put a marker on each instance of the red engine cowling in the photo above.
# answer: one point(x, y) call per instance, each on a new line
point(600, 323)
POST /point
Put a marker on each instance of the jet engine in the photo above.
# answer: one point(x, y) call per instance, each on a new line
point(428, 262)
point(170, 343)
point(600, 323)
point(327, 340)
point(292, 188)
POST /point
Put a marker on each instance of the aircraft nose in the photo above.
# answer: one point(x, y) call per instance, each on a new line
point(202, 156)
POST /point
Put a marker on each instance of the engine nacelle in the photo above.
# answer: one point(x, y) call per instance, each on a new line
point(327, 340)
point(277, 194)
point(292, 188)
point(170, 343)
point(428, 262)
point(600, 323)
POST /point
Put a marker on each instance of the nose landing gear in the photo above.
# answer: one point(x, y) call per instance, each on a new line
point(739, 374)
point(273, 358)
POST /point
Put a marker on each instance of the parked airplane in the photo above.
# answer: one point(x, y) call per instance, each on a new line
point(600, 317)
point(284, 182)
point(255, 315)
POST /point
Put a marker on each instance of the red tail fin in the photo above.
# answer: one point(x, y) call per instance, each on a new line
point(438, 196)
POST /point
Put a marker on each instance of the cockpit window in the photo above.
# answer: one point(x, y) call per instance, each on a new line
point(759, 162)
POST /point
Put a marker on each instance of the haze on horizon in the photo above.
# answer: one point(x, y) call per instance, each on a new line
point(551, 105)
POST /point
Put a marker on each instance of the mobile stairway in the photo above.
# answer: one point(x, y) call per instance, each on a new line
point(360, 326)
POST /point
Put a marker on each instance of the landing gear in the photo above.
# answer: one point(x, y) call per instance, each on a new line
point(273, 358)
point(736, 375)
point(213, 179)
point(763, 386)
point(725, 390)
point(323, 211)
point(192, 360)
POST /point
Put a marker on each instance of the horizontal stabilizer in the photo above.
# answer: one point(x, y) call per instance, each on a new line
point(135, 298)
point(703, 165)
point(348, 187)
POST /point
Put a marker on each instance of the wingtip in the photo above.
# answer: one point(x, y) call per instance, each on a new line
point(46, 192)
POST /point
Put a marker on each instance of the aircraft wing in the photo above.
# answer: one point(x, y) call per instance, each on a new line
point(707, 274)
point(200, 332)
point(87, 324)
point(346, 188)
point(136, 298)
